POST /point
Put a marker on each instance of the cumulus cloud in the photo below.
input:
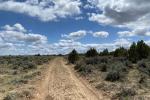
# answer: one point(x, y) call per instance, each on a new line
point(75, 35)
point(16, 27)
point(16, 39)
point(135, 32)
point(129, 14)
point(102, 34)
point(17, 33)
point(45, 10)
point(81, 33)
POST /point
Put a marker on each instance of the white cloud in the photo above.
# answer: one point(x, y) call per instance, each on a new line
point(17, 33)
point(81, 33)
point(16, 39)
point(75, 35)
point(17, 42)
point(122, 42)
point(45, 10)
point(79, 18)
point(125, 34)
point(102, 34)
point(131, 14)
point(16, 27)
point(135, 32)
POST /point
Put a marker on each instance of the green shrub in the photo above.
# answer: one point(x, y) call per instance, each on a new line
point(77, 66)
point(83, 68)
point(92, 61)
point(103, 67)
point(116, 71)
point(96, 60)
point(11, 96)
point(29, 65)
point(18, 81)
point(142, 79)
point(113, 76)
point(144, 66)
point(126, 93)
point(23, 65)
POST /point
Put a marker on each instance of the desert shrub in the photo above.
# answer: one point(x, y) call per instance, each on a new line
point(11, 96)
point(78, 66)
point(83, 68)
point(126, 93)
point(92, 61)
point(18, 62)
point(144, 66)
point(128, 64)
point(142, 79)
point(23, 65)
point(31, 75)
point(22, 95)
point(103, 67)
point(29, 65)
point(104, 60)
point(26, 94)
point(73, 56)
point(96, 60)
point(113, 76)
point(18, 81)
point(116, 72)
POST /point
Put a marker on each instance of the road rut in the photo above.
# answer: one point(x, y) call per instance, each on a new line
point(61, 83)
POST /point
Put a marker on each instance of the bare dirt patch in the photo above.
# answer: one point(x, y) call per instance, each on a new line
point(61, 83)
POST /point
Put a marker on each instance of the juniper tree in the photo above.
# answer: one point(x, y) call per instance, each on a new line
point(91, 52)
point(73, 56)
point(142, 50)
point(133, 54)
point(105, 52)
point(120, 52)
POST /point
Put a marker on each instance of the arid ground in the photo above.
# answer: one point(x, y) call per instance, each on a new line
point(61, 83)
point(56, 80)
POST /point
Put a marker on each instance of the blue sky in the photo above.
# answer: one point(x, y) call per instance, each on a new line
point(58, 26)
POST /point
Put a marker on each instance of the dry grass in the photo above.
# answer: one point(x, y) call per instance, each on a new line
point(17, 73)
point(117, 77)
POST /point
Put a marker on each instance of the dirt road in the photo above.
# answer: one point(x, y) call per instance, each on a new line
point(61, 83)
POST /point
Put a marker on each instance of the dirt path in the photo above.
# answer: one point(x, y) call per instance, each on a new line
point(61, 83)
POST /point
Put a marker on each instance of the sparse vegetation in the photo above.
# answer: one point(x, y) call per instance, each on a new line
point(123, 73)
point(112, 70)
point(18, 71)
point(126, 93)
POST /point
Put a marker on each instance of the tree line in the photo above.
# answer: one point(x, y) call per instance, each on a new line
point(136, 52)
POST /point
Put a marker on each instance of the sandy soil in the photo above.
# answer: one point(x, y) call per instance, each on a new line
point(61, 83)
